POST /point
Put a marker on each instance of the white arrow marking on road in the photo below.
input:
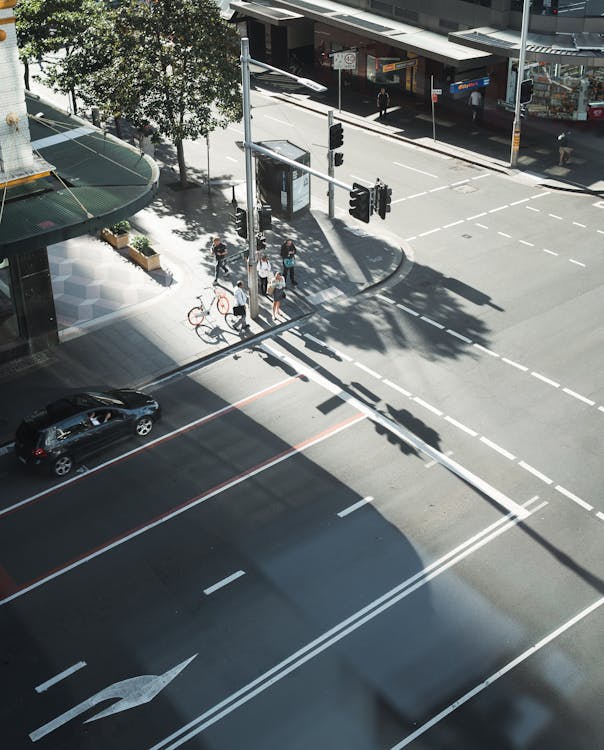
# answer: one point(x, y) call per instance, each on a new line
point(133, 692)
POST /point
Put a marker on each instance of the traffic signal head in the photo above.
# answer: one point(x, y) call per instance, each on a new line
point(260, 242)
point(336, 136)
point(265, 214)
point(526, 91)
point(383, 199)
point(338, 159)
point(241, 222)
point(360, 202)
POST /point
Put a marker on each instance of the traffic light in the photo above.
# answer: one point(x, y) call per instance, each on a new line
point(383, 199)
point(338, 159)
point(526, 91)
point(336, 136)
point(523, 111)
point(360, 202)
point(265, 214)
point(241, 222)
point(260, 242)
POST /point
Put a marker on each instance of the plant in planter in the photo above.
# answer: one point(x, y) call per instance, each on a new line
point(117, 234)
point(141, 252)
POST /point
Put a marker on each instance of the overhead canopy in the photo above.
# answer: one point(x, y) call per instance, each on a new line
point(97, 180)
point(386, 30)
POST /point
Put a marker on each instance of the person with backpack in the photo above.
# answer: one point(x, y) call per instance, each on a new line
point(564, 147)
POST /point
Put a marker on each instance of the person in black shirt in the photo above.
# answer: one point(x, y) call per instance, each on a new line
point(219, 250)
point(383, 100)
point(288, 251)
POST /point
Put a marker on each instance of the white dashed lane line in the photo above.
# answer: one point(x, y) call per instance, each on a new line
point(223, 582)
point(500, 450)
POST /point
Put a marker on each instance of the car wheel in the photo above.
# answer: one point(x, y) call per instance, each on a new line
point(143, 426)
point(62, 466)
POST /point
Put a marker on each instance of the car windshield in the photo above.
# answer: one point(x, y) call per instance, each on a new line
point(87, 400)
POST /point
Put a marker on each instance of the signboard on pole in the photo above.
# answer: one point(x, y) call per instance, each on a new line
point(346, 60)
point(477, 83)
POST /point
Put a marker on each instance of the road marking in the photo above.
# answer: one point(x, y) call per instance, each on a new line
point(355, 506)
point(482, 226)
point(577, 224)
point(461, 426)
point(368, 370)
point(397, 388)
point(574, 498)
point(535, 472)
point(477, 216)
point(407, 309)
point(599, 514)
point(428, 406)
point(61, 676)
point(487, 351)
point(540, 195)
point(430, 231)
point(500, 673)
point(401, 432)
point(578, 396)
point(528, 244)
point(459, 336)
point(504, 234)
point(555, 216)
point(413, 169)
point(442, 187)
point(416, 195)
point(152, 443)
point(132, 692)
point(281, 122)
point(497, 448)
point(224, 582)
point(460, 182)
point(188, 504)
point(454, 223)
point(499, 208)
point(481, 176)
point(514, 364)
point(549, 381)
point(432, 322)
point(385, 299)
point(522, 200)
point(551, 252)
point(577, 262)
point(341, 630)
point(532, 208)
point(430, 464)
point(335, 351)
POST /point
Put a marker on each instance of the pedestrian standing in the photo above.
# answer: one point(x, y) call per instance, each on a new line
point(288, 252)
point(564, 147)
point(219, 250)
point(475, 103)
point(278, 285)
point(383, 102)
point(240, 303)
point(264, 271)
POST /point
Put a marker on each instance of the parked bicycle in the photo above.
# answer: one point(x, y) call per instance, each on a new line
point(200, 312)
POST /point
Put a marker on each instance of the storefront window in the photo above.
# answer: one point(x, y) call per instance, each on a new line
point(9, 328)
point(375, 72)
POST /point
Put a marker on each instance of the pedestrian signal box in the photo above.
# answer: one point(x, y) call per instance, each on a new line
point(241, 222)
point(526, 91)
point(360, 202)
point(336, 136)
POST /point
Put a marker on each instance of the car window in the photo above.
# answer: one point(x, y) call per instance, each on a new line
point(70, 427)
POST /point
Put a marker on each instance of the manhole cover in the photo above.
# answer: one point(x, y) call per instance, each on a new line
point(467, 236)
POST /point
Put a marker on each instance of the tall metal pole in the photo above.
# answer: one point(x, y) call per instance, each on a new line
point(339, 89)
point(208, 150)
point(520, 75)
point(330, 189)
point(252, 276)
point(432, 97)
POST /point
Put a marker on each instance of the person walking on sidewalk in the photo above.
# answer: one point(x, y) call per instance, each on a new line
point(240, 303)
point(278, 286)
point(475, 102)
point(288, 252)
point(219, 250)
point(383, 102)
point(564, 147)
point(264, 271)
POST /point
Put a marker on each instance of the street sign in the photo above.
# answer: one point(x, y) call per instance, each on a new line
point(476, 83)
point(434, 96)
point(389, 67)
point(437, 91)
point(346, 60)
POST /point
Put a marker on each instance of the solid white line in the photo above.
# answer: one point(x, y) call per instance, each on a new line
point(482, 226)
point(398, 200)
point(461, 426)
point(497, 448)
point(409, 239)
point(368, 370)
point(329, 348)
point(355, 506)
point(499, 208)
point(442, 187)
point(574, 498)
point(477, 216)
point(460, 182)
point(503, 234)
point(453, 224)
point(535, 472)
point(528, 244)
point(574, 394)
point(540, 195)
point(281, 122)
point(514, 364)
point(600, 408)
point(231, 158)
point(522, 200)
point(421, 171)
point(430, 231)
point(61, 676)
point(486, 351)
point(500, 673)
point(397, 388)
point(481, 176)
point(416, 195)
point(600, 231)
point(385, 299)
point(459, 336)
point(599, 513)
point(545, 380)
point(577, 224)
point(407, 309)
point(432, 322)
point(577, 262)
point(428, 406)
point(551, 252)
point(224, 582)
point(532, 208)
point(555, 216)
point(340, 631)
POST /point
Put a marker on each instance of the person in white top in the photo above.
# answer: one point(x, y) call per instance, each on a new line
point(240, 303)
point(476, 104)
point(264, 271)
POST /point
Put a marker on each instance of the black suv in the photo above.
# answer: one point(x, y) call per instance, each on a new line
point(68, 430)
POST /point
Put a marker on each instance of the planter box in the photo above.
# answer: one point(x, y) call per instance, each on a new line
point(118, 241)
point(148, 262)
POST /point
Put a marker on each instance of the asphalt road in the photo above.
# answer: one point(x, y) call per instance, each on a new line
point(377, 530)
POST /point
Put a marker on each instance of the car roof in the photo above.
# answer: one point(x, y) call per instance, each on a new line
point(63, 408)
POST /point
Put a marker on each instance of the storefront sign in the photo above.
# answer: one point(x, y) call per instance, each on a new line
point(346, 60)
point(389, 67)
point(477, 83)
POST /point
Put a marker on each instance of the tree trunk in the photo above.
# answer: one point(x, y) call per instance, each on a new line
point(182, 167)
point(26, 74)
point(117, 119)
point(74, 101)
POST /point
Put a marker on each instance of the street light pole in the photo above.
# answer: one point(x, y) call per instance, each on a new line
point(519, 77)
point(252, 261)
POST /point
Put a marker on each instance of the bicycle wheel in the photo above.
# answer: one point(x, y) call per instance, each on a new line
point(222, 304)
point(233, 321)
point(196, 316)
